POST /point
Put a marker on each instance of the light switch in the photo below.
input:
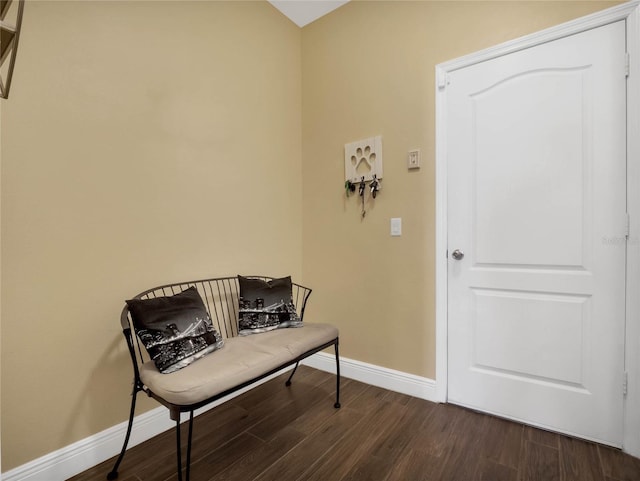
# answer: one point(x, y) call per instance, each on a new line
point(413, 159)
point(396, 226)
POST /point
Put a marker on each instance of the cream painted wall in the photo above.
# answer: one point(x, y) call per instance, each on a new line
point(368, 69)
point(142, 143)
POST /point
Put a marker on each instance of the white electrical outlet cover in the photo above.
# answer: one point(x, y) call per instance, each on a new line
point(396, 226)
point(413, 159)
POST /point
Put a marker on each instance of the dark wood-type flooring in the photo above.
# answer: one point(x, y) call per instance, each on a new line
point(275, 433)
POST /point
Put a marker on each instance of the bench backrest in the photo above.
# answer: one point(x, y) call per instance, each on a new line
point(220, 296)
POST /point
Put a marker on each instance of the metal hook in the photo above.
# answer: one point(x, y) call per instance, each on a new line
point(349, 187)
point(374, 186)
point(361, 190)
point(361, 187)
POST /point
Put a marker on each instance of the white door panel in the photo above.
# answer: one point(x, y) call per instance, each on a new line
point(511, 329)
point(537, 176)
point(509, 228)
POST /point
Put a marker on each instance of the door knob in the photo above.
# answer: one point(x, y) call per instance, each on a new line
point(457, 254)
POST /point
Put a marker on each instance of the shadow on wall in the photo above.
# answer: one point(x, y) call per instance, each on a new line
point(112, 372)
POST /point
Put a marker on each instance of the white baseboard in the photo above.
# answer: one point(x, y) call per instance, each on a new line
point(84, 454)
point(410, 384)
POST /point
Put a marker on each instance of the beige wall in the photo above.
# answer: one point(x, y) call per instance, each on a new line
point(368, 69)
point(149, 142)
point(142, 143)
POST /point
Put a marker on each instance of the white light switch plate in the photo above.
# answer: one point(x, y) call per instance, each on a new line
point(396, 226)
point(413, 159)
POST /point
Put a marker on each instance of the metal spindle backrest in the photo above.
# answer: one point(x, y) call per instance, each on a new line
point(220, 296)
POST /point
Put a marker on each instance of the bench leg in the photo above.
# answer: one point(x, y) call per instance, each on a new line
point(337, 404)
point(288, 383)
point(113, 474)
point(189, 445)
point(179, 447)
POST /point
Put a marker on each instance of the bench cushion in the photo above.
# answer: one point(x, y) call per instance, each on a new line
point(240, 360)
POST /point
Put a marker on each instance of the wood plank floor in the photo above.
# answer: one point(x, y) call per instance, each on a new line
point(274, 433)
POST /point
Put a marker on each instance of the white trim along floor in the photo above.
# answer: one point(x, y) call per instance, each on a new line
point(86, 453)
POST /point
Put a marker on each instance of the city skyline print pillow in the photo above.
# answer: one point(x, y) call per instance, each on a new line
point(266, 305)
point(175, 330)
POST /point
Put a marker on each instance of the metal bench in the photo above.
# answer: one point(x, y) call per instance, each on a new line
point(243, 361)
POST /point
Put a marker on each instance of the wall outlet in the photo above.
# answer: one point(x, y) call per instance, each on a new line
point(396, 226)
point(413, 159)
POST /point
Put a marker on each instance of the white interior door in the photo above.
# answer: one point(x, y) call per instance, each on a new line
point(537, 207)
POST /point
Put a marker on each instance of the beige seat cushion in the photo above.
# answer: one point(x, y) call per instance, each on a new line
point(241, 359)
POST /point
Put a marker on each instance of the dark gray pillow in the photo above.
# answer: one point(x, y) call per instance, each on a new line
point(266, 305)
point(175, 330)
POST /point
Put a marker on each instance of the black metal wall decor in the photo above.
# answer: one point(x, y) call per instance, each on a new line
point(10, 22)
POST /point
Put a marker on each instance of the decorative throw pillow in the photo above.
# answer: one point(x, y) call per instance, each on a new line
point(175, 330)
point(266, 305)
